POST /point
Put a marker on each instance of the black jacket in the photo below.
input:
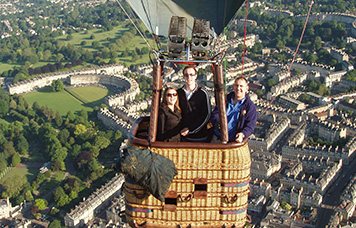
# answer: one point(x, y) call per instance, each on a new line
point(195, 112)
point(169, 125)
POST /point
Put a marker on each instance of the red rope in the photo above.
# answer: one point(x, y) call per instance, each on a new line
point(243, 52)
point(290, 66)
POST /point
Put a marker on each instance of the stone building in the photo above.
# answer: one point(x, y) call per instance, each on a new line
point(346, 106)
point(255, 205)
point(283, 87)
point(339, 55)
point(5, 208)
point(272, 137)
point(296, 196)
point(305, 219)
point(87, 209)
point(258, 188)
point(330, 132)
point(333, 77)
point(346, 154)
point(46, 80)
point(113, 122)
point(299, 176)
point(263, 164)
point(277, 217)
point(346, 208)
point(115, 210)
point(291, 103)
point(280, 75)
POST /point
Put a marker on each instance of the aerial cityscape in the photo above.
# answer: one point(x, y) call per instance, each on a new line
point(76, 75)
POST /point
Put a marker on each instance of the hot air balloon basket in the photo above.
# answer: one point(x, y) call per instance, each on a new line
point(210, 190)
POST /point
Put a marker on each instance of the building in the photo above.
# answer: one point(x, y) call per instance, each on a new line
point(330, 132)
point(5, 208)
point(87, 209)
point(291, 103)
point(263, 164)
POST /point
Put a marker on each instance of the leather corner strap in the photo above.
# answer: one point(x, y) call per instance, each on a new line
point(219, 87)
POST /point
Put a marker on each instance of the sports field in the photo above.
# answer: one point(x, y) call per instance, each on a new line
point(72, 100)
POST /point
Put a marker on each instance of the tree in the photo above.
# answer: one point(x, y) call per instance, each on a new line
point(15, 160)
point(55, 224)
point(46, 55)
point(93, 165)
point(4, 107)
point(57, 165)
point(271, 82)
point(63, 136)
point(63, 201)
point(286, 206)
point(41, 204)
point(76, 150)
point(3, 164)
point(95, 44)
point(101, 142)
point(57, 85)
point(70, 116)
point(69, 37)
point(79, 129)
point(8, 149)
point(60, 57)
point(22, 145)
point(83, 158)
point(58, 119)
point(40, 178)
point(118, 135)
point(13, 186)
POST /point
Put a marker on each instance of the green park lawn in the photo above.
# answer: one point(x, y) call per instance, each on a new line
point(7, 66)
point(64, 102)
point(29, 173)
point(104, 38)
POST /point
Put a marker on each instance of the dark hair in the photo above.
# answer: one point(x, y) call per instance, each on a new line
point(190, 66)
point(164, 99)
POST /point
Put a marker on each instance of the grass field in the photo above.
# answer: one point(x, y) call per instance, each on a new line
point(52, 183)
point(30, 174)
point(64, 102)
point(104, 38)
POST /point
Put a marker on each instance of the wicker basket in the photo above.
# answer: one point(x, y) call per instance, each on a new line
point(210, 190)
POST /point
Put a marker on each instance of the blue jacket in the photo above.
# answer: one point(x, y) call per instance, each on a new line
point(247, 118)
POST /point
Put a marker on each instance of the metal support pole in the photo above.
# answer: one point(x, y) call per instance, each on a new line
point(219, 88)
point(156, 95)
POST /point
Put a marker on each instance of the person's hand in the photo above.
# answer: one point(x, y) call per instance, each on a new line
point(239, 137)
point(184, 131)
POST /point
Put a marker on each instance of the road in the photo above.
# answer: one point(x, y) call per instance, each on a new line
point(332, 197)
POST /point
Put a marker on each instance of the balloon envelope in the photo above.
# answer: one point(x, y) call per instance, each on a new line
point(156, 14)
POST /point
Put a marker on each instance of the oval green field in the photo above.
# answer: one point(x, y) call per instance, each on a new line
point(75, 100)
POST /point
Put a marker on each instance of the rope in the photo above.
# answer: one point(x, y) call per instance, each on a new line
point(295, 54)
point(243, 52)
point(134, 25)
point(148, 18)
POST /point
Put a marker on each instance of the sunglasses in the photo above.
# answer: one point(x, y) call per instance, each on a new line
point(191, 74)
point(171, 94)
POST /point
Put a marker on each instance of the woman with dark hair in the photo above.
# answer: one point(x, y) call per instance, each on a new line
point(169, 117)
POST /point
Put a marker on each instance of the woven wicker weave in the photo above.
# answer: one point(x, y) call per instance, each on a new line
point(211, 190)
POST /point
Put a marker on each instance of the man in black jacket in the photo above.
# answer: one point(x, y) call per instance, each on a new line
point(195, 105)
